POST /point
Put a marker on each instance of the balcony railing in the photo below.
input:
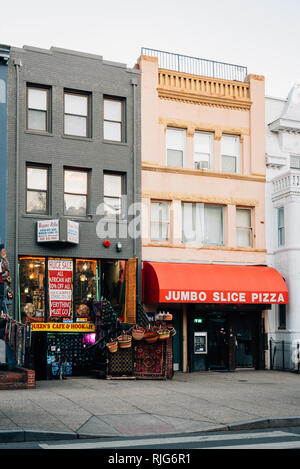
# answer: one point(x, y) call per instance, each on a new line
point(287, 182)
point(197, 66)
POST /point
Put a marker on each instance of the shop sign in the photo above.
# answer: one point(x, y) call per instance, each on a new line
point(62, 327)
point(72, 232)
point(183, 296)
point(60, 273)
point(47, 230)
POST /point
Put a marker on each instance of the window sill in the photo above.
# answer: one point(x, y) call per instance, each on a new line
point(77, 137)
point(39, 132)
point(114, 142)
point(37, 215)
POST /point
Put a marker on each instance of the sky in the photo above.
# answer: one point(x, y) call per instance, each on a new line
point(262, 35)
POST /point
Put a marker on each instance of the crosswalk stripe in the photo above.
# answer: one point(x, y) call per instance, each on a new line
point(273, 445)
point(165, 440)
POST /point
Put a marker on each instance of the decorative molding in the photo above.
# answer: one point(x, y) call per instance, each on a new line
point(179, 86)
point(204, 247)
point(147, 166)
point(192, 126)
point(191, 197)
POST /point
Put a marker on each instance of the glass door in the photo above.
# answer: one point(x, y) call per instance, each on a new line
point(244, 341)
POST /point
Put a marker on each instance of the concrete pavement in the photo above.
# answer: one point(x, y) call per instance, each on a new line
point(195, 402)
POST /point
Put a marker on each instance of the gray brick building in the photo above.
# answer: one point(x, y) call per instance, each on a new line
point(73, 156)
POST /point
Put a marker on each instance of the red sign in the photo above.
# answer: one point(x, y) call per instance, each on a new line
point(60, 273)
point(186, 296)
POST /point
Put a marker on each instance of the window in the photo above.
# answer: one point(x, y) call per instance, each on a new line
point(160, 221)
point(75, 192)
point(295, 161)
point(38, 101)
point(243, 227)
point(32, 289)
point(202, 224)
point(76, 114)
point(113, 128)
point(230, 153)
point(203, 143)
point(280, 226)
point(114, 190)
point(175, 144)
point(281, 316)
point(86, 288)
point(37, 182)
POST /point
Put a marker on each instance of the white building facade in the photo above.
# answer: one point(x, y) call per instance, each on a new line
point(283, 223)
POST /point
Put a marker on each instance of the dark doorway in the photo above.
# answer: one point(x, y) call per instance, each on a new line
point(246, 340)
point(217, 341)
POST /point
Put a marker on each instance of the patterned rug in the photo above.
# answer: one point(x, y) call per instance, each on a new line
point(150, 360)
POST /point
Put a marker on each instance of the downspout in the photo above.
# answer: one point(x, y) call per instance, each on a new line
point(134, 185)
point(17, 64)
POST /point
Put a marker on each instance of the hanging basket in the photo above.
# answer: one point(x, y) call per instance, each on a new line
point(112, 346)
point(151, 337)
point(125, 340)
point(163, 334)
point(138, 333)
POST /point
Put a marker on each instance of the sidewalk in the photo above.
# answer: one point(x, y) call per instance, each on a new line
point(194, 402)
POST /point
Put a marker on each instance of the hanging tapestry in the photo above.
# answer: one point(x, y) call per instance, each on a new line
point(150, 360)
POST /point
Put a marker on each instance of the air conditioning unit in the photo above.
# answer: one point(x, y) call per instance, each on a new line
point(201, 165)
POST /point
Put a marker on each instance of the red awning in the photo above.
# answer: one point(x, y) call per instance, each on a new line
point(165, 282)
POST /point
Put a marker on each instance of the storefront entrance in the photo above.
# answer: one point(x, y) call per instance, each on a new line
point(232, 339)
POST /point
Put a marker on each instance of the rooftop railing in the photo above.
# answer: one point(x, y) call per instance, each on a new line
point(197, 66)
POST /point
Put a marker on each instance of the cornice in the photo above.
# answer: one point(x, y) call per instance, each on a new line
point(192, 197)
point(146, 166)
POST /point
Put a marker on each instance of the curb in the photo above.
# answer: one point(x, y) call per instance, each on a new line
point(19, 436)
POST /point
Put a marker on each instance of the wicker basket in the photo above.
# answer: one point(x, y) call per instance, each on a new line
point(112, 346)
point(151, 337)
point(125, 341)
point(138, 333)
point(163, 334)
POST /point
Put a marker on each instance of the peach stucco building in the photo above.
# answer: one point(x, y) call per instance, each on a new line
point(203, 194)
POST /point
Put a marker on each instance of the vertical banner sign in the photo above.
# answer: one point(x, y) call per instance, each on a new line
point(60, 273)
point(130, 291)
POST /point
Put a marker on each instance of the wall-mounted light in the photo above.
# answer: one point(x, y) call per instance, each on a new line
point(119, 247)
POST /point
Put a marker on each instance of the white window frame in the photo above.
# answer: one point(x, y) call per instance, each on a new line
point(297, 157)
point(249, 228)
point(160, 222)
point(181, 147)
point(236, 155)
point(199, 225)
point(210, 135)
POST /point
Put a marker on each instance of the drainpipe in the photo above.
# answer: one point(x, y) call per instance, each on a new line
point(134, 84)
point(18, 64)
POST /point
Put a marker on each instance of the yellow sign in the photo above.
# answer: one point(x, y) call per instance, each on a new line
point(62, 327)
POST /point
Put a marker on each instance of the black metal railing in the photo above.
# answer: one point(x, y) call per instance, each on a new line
point(197, 66)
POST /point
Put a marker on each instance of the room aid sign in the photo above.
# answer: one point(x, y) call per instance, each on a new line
point(60, 274)
point(187, 296)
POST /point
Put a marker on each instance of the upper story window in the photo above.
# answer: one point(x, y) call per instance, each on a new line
point(230, 153)
point(76, 114)
point(37, 189)
point(114, 190)
point(75, 192)
point(202, 224)
point(175, 146)
point(113, 125)
point(243, 227)
point(38, 108)
point(295, 161)
point(203, 150)
point(160, 221)
point(280, 226)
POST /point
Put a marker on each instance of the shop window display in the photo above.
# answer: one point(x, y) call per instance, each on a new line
point(32, 289)
point(86, 289)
